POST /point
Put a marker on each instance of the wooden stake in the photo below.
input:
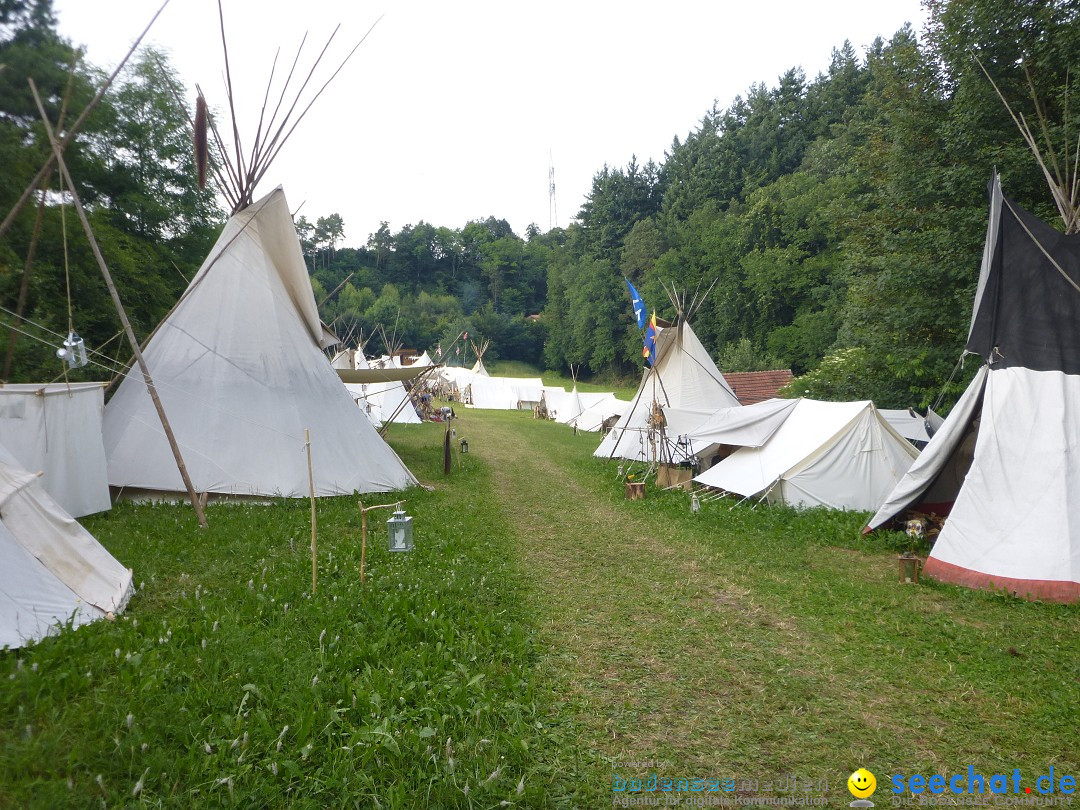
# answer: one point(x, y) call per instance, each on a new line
point(314, 529)
point(58, 154)
point(363, 542)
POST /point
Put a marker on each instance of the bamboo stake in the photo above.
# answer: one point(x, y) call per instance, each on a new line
point(59, 157)
point(314, 526)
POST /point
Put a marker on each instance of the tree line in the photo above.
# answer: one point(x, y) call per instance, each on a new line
point(838, 220)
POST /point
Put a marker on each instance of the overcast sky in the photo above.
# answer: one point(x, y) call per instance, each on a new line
point(451, 112)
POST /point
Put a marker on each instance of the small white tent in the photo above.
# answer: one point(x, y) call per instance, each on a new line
point(52, 571)
point(684, 378)
point(56, 428)
point(842, 455)
point(239, 368)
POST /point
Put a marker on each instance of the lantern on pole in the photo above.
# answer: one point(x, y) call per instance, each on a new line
point(400, 530)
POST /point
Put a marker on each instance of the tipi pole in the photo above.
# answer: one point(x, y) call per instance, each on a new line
point(314, 525)
point(195, 504)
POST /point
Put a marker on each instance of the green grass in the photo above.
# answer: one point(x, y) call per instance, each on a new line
point(544, 631)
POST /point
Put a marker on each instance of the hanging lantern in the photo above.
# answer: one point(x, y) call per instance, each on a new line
point(74, 351)
point(464, 446)
point(695, 504)
point(400, 530)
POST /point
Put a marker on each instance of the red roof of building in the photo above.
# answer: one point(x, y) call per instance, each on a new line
point(757, 386)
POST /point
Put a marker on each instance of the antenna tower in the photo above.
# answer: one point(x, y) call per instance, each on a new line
point(553, 211)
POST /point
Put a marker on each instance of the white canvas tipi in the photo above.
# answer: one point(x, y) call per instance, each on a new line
point(1002, 464)
point(239, 368)
point(52, 571)
point(684, 379)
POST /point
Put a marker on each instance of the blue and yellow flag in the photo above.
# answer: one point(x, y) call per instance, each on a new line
point(649, 351)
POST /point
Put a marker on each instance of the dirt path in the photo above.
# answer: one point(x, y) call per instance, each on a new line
point(649, 640)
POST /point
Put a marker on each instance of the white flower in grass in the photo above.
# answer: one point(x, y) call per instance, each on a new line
point(264, 587)
point(144, 747)
point(139, 785)
point(465, 789)
point(251, 584)
point(216, 625)
point(306, 750)
point(33, 667)
point(521, 785)
point(315, 681)
point(135, 623)
point(116, 653)
point(322, 635)
point(130, 720)
point(100, 780)
point(204, 643)
point(494, 775)
point(208, 749)
point(127, 657)
point(273, 768)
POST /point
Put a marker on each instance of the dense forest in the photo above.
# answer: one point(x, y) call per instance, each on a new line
point(837, 220)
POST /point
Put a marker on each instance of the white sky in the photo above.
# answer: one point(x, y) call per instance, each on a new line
point(451, 112)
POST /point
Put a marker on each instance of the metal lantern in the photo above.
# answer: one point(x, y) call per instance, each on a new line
point(695, 504)
point(400, 531)
point(464, 445)
point(74, 351)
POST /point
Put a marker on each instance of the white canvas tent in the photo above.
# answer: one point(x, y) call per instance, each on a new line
point(55, 428)
point(684, 378)
point(908, 424)
point(1004, 464)
point(588, 411)
point(841, 455)
point(52, 571)
point(239, 368)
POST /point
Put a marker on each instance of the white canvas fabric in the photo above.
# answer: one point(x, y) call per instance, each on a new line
point(684, 377)
point(239, 369)
point(841, 455)
point(935, 456)
point(492, 393)
point(52, 571)
point(1011, 525)
point(743, 426)
point(907, 423)
point(478, 368)
point(55, 429)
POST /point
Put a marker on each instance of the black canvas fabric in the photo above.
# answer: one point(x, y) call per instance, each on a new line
point(1029, 315)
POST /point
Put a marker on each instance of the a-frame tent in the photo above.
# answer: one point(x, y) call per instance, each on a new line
point(54, 573)
point(684, 379)
point(1005, 463)
point(840, 455)
point(239, 367)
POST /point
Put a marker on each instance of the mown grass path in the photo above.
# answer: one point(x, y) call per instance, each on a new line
point(755, 645)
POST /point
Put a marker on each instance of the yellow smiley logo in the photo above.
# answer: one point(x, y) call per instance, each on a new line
point(862, 784)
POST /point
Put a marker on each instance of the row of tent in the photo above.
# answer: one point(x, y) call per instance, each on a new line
point(1001, 466)
point(240, 368)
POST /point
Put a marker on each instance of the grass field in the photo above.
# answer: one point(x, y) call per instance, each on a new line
point(545, 637)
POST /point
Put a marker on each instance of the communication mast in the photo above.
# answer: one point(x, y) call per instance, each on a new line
point(553, 211)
